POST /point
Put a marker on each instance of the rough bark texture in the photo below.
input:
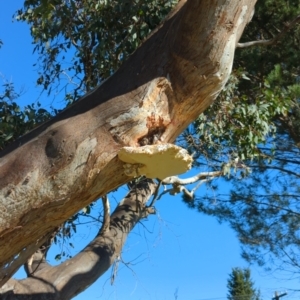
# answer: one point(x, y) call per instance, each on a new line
point(60, 167)
point(73, 276)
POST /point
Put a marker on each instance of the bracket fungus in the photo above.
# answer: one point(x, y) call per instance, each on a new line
point(155, 161)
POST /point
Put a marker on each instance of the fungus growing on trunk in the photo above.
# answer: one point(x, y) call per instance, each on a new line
point(155, 161)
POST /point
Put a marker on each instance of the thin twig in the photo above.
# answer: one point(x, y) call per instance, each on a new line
point(106, 219)
point(155, 194)
point(270, 41)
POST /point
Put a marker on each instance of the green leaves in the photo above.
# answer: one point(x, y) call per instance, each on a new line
point(14, 121)
point(244, 118)
point(255, 123)
point(88, 40)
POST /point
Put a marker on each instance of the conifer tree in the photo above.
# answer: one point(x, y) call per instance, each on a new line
point(240, 286)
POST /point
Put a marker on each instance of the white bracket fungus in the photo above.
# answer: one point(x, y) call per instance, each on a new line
point(155, 161)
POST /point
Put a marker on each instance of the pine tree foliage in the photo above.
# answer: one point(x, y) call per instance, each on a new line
point(240, 286)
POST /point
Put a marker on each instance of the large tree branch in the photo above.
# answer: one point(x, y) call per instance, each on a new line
point(76, 274)
point(70, 161)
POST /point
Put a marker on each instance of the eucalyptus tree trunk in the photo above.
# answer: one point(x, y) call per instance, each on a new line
point(65, 164)
point(74, 275)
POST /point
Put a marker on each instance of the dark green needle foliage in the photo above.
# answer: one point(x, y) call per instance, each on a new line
point(240, 286)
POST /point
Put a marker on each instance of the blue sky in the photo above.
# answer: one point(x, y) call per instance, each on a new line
point(176, 250)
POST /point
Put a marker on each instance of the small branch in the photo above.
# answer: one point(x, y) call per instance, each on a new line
point(270, 41)
point(106, 219)
point(28, 266)
point(37, 261)
point(155, 196)
point(283, 170)
point(188, 193)
point(7, 272)
point(178, 183)
point(199, 184)
point(200, 176)
point(115, 270)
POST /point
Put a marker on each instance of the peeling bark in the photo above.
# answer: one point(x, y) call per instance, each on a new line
point(65, 164)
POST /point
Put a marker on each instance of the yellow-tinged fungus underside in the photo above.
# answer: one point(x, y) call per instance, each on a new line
point(156, 161)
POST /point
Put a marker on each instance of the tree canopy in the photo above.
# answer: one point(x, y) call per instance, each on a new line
point(250, 134)
point(254, 128)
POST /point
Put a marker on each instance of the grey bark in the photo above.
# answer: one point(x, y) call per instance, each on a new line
point(68, 279)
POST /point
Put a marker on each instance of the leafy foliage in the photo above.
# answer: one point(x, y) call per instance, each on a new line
point(15, 121)
point(270, 18)
point(254, 125)
point(240, 122)
point(86, 41)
